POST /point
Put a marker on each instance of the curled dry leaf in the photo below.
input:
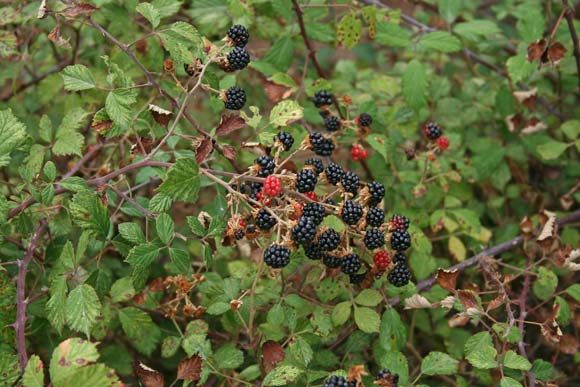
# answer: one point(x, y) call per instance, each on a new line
point(56, 37)
point(570, 261)
point(548, 220)
point(550, 328)
point(448, 302)
point(355, 373)
point(556, 52)
point(467, 299)
point(80, 8)
point(536, 49)
point(459, 320)
point(204, 148)
point(495, 303)
point(229, 123)
point(42, 10)
point(527, 227)
point(521, 96)
point(514, 121)
point(190, 368)
point(534, 125)
point(229, 152)
point(275, 91)
point(417, 301)
point(160, 115)
point(566, 201)
point(148, 376)
point(272, 354)
point(447, 279)
point(568, 344)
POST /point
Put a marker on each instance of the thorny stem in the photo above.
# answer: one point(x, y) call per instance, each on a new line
point(522, 317)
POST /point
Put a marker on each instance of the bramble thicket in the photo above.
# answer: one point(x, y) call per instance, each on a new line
point(331, 193)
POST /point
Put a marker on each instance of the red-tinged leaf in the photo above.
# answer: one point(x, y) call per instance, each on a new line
point(275, 91)
point(467, 299)
point(148, 376)
point(272, 354)
point(80, 8)
point(229, 152)
point(190, 368)
point(229, 123)
point(203, 150)
point(536, 49)
point(447, 279)
point(160, 115)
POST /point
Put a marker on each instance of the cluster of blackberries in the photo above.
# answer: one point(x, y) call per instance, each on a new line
point(237, 59)
point(400, 275)
point(384, 378)
point(435, 132)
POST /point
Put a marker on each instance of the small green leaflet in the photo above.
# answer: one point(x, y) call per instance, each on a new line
point(90, 213)
point(56, 305)
point(34, 373)
point(439, 363)
point(82, 308)
point(140, 329)
point(552, 149)
point(367, 319)
point(285, 113)
point(132, 232)
point(182, 181)
point(12, 135)
point(78, 77)
point(369, 297)
point(341, 313)
point(118, 108)
point(281, 376)
point(68, 140)
point(348, 30)
point(150, 13)
point(229, 357)
point(281, 54)
point(415, 84)
point(164, 225)
point(391, 34)
point(142, 255)
point(440, 41)
point(509, 382)
point(514, 361)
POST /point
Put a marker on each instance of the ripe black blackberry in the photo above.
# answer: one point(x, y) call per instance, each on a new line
point(357, 278)
point(400, 258)
point(266, 165)
point(321, 145)
point(400, 222)
point(400, 240)
point(329, 240)
point(315, 211)
point(338, 381)
point(351, 212)
point(350, 182)
point(331, 261)
point(264, 220)
point(350, 263)
point(334, 173)
point(313, 251)
point(255, 189)
point(392, 380)
point(374, 238)
point(375, 217)
point(238, 35)
point(332, 123)
point(377, 192)
point(285, 139)
point(235, 98)
point(304, 231)
point(365, 119)
point(330, 201)
point(277, 256)
point(306, 180)
point(238, 58)
point(433, 131)
point(239, 234)
point(316, 163)
point(322, 98)
point(400, 275)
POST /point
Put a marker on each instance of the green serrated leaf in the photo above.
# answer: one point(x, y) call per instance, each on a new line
point(415, 84)
point(140, 329)
point(229, 357)
point(369, 297)
point(12, 135)
point(164, 225)
point(509, 382)
point(393, 35)
point(545, 283)
point(281, 53)
point(122, 290)
point(56, 305)
point(367, 319)
point(71, 355)
point(132, 232)
point(150, 13)
point(82, 308)
point(348, 30)
point(285, 113)
point(282, 375)
point(440, 41)
point(516, 362)
point(393, 333)
point(182, 181)
point(142, 255)
point(341, 313)
point(34, 373)
point(90, 213)
point(552, 149)
point(78, 77)
point(439, 363)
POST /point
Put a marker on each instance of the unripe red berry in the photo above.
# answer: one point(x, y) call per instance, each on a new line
point(272, 186)
point(382, 259)
point(311, 195)
point(358, 153)
point(443, 143)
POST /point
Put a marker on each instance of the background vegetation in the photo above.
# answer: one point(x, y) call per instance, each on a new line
point(114, 245)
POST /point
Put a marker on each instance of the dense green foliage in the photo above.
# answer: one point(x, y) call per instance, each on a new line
point(122, 202)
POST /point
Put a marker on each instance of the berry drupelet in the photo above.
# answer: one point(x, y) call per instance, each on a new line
point(375, 217)
point(350, 263)
point(322, 98)
point(277, 256)
point(329, 240)
point(235, 98)
point(306, 180)
point(365, 119)
point(332, 123)
point(374, 239)
point(350, 182)
point(266, 166)
point(321, 145)
point(238, 35)
point(238, 58)
point(315, 211)
point(316, 163)
point(400, 275)
point(400, 240)
point(382, 259)
point(264, 220)
point(285, 139)
point(433, 131)
point(334, 173)
point(399, 222)
point(304, 231)
point(351, 212)
point(377, 192)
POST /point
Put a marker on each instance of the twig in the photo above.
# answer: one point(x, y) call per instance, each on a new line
point(21, 301)
point(89, 155)
point(492, 251)
point(570, 20)
point(38, 79)
point(521, 322)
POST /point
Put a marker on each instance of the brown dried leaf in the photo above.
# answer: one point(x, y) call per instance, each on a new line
point(459, 320)
point(80, 8)
point(229, 123)
point(521, 96)
point(448, 302)
point(275, 91)
point(417, 301)
point(568, 345)
point(272, 354)
point(467, 299)
point(148, 376)
point(190, 368)
point(570, 261)
point(204, 148)
point(550, 328)
point(447, 279)
point(534, 125)
point(548, 230)
point(515, 121)
point(527, 227)
point(356, 373)
point(556, 53)
point(495, 303)
point(42, 10)
point(57, 38)
point(536, 49)
point(229, 152)
point(160, 115)
point(566, 201)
